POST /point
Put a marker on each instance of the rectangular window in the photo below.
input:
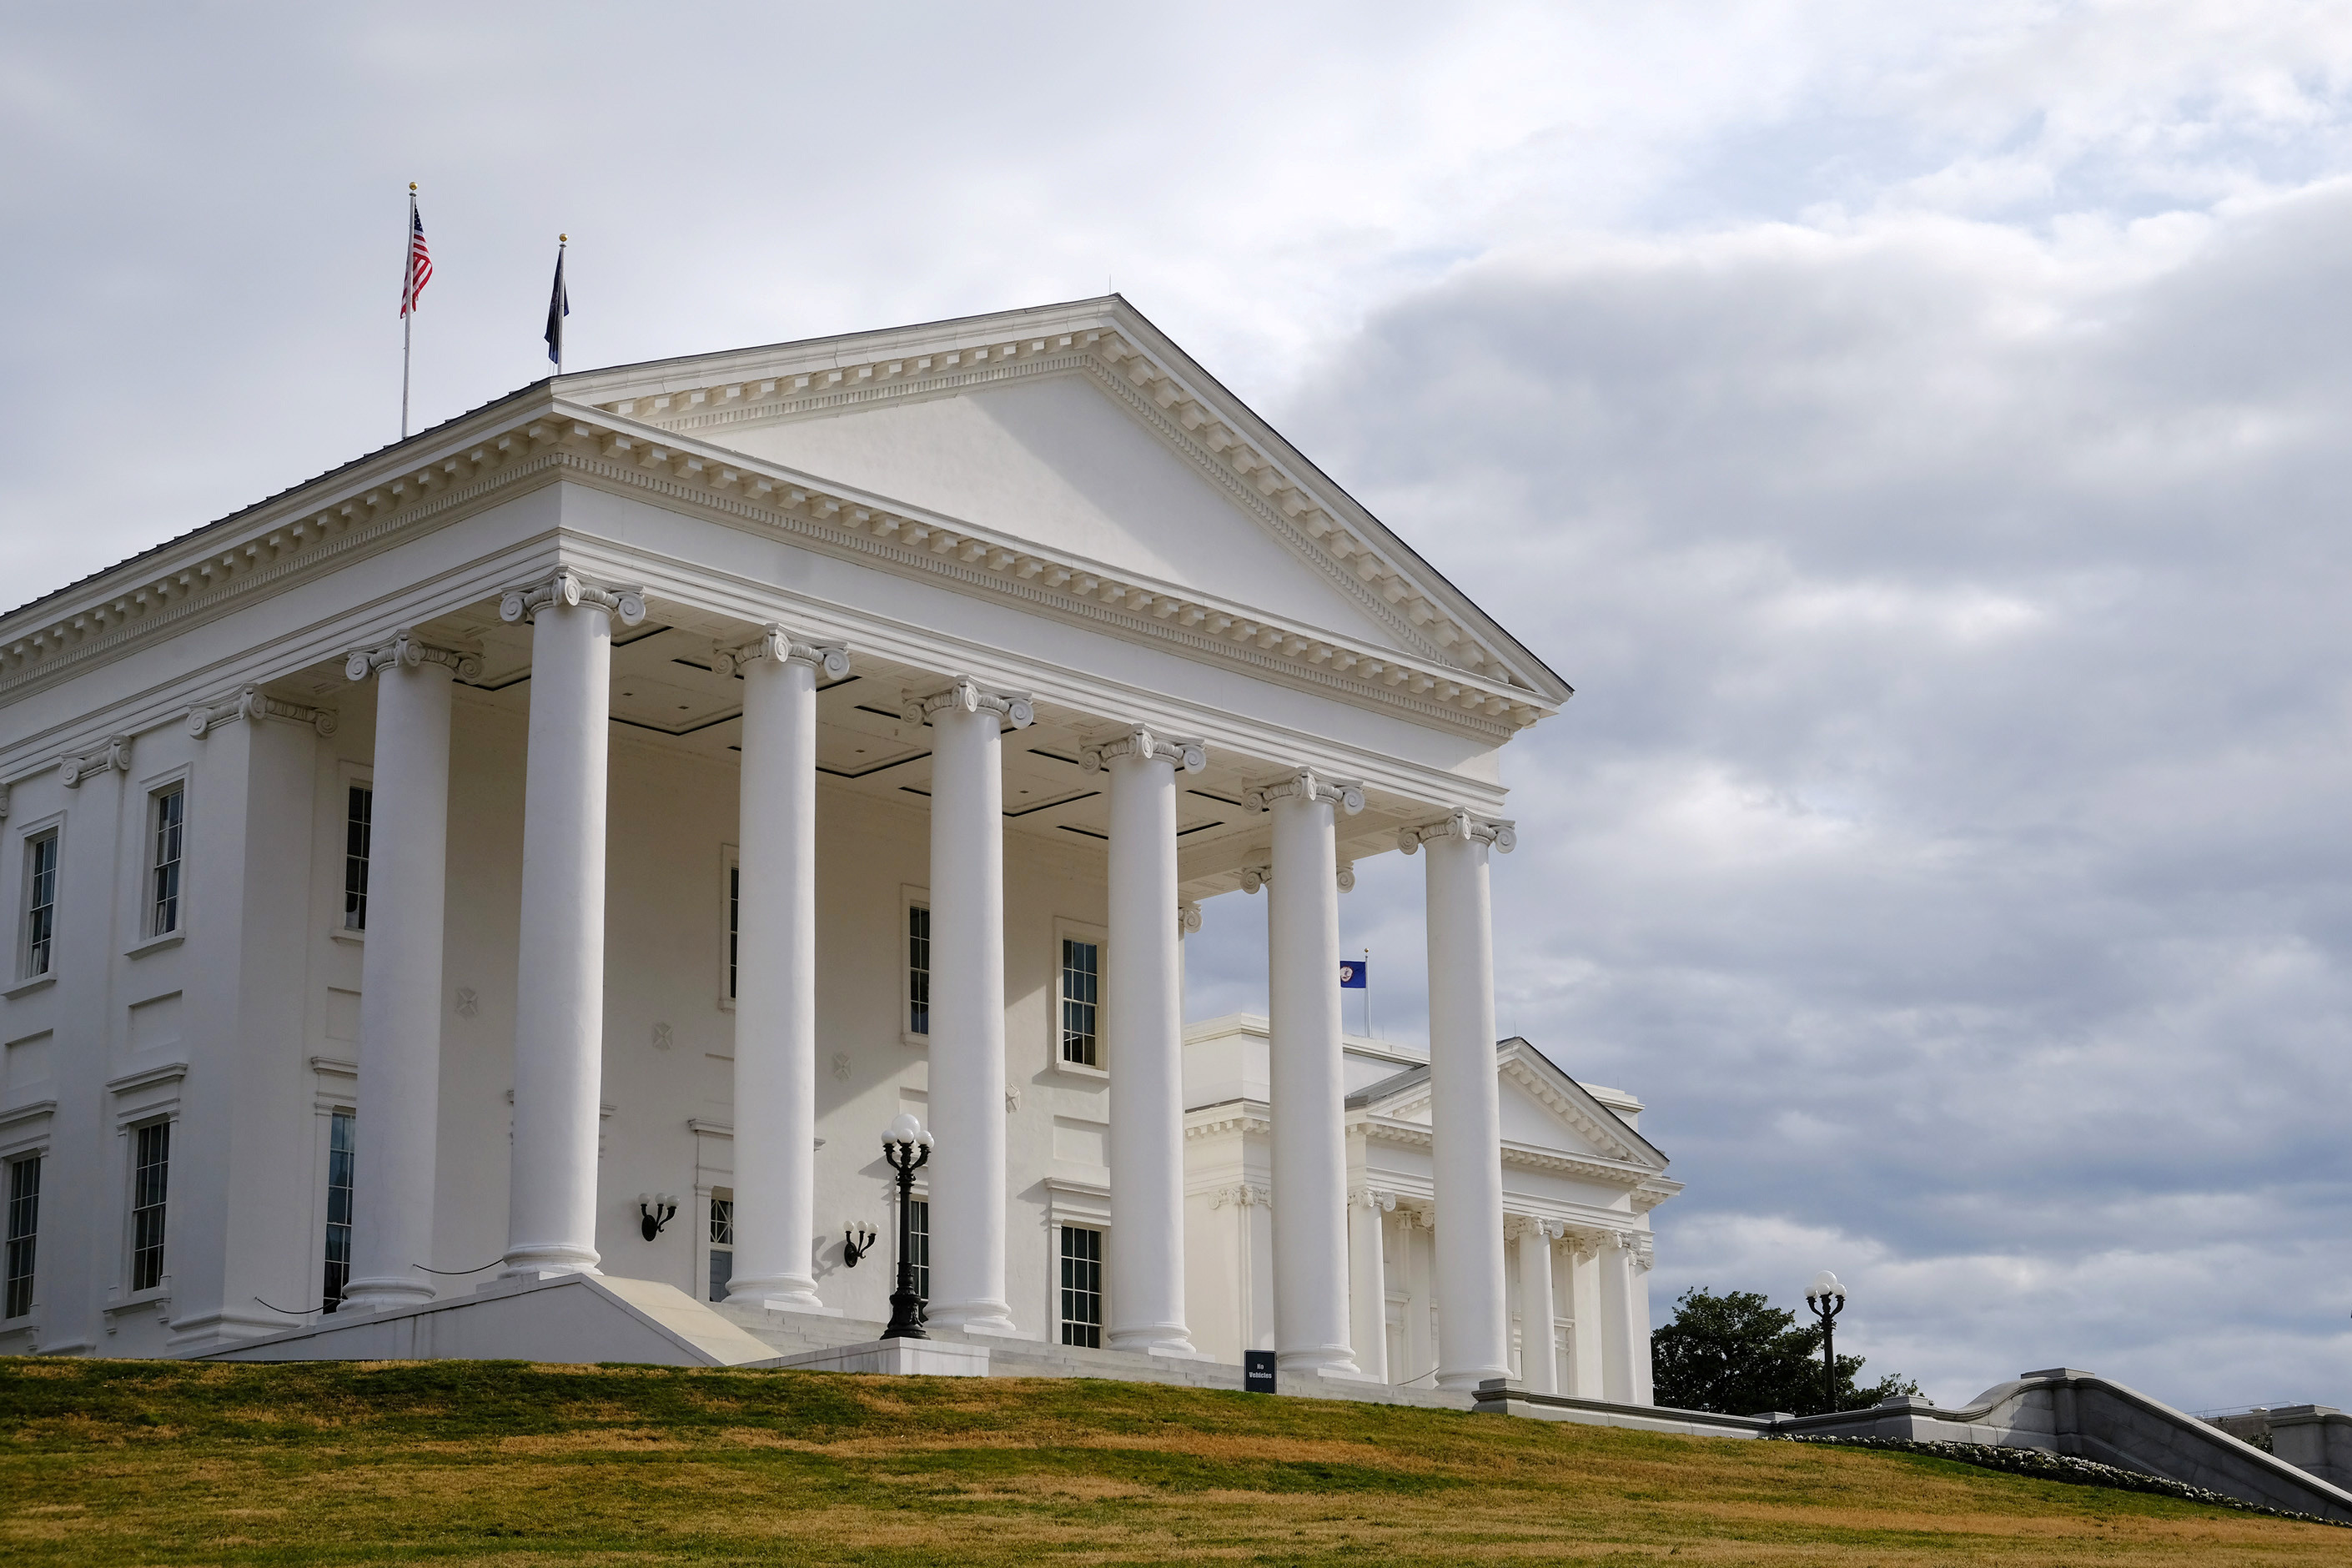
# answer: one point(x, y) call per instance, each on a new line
point(170, 816)
point(734, 911)
point(339, 1210)
point(1082, 1287)
point(24, 1225)
point(918, 970)
point(40, 902)
point(722, 1245)
point(150, 1183)
point(1081, 978)
point(918, 1246)
point(358, 820)
point(170, 812)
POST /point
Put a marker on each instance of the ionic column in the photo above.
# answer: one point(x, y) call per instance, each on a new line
point(1465, 1120)
point(400, 971)
point(1308, 1090)
point(967, 1093)
point(1637, 1321)
point(1619, 1376)
point(560, 962)
point(1539, 1359)
point(775, 974)
point(1143, 1028)
point(1368, 1290)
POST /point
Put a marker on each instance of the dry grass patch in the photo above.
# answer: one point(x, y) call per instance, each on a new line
point(448, 1463)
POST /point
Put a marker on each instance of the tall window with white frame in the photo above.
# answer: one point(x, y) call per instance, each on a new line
point(23, 1228)
point(170, 815)
point(151, 1173)
point(40, 902)
point(339, 1211)
point(1081, 984)
point(722, 1244)
point(734, 918)
point(918, 970)
point(918, 1246)
point(359, 818)
point(1082, 1299)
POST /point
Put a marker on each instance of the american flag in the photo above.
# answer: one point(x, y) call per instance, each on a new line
point(420, 261)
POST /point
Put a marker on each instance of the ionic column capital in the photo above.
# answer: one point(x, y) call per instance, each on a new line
point(1142, 740)
point(1373, 1198)
point(1256, 876)
point(1306, 784)
point(1528, 1226)
point(253, 707)
point(1187, 914)
point(407, 649)
point(965, 695)
point(568, 587)
point(1462, 822)
point(112, 754)
point(775, 643)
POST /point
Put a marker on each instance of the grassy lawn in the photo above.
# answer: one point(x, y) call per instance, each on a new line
point(125, 1462)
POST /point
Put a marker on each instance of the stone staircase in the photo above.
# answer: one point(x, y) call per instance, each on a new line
point(795, 1333)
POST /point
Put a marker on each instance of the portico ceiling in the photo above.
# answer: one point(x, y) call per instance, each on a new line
point(667, 692)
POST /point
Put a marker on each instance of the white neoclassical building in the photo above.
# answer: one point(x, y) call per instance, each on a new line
point(548, 850)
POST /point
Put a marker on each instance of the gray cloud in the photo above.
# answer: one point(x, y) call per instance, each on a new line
point(1946, 837)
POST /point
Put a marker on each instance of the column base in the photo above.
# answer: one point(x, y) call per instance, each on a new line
point(1454, 1382)
point(779, 1295)
point(975, 1318)
point(383, 1295)
point(547, 1261)
point(1328, 1360)
point(1168, 1340)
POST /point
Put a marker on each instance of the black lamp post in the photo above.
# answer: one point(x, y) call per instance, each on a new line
point(906, 1145)
point(1826, 1297)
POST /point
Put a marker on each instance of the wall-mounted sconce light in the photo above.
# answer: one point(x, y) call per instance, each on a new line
point(656, 1210)
point(856, 1241)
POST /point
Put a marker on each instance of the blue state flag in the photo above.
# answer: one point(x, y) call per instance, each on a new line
point(1353, 973)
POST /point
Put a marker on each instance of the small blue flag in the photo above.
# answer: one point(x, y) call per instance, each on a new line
point(1353, 973)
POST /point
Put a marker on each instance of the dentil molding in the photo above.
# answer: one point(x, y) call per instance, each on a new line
point(965, 695)
point(567, 587)
point(777, 644)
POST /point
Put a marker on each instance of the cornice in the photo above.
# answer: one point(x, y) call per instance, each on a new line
point(1524, 1156)
point(318, 530)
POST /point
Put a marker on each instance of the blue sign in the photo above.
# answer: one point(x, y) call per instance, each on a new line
point(1353, 973)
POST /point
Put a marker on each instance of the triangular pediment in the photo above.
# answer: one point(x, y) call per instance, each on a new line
point(1543, 1109)
point(1082, 430)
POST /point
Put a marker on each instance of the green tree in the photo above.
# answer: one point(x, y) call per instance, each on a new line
point(1738, 1354)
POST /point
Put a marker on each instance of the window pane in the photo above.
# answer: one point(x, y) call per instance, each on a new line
point(339, 1211)
point(40, 902)
point(150, 1183)
point(918, 1244)
point(164, 916)
point(23, 1228)
point(734, 906)
point(722, 1268)
point(1081, 1287)
point(1081, 968)
point(359, 830)
point(918, 970)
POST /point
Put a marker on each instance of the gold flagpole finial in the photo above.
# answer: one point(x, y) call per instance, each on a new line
point(562, 240)
point(411, 184)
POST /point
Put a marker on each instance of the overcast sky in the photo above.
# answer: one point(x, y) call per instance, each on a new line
point(1918, 432)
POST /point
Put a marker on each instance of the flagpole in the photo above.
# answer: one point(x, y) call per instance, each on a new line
point(1368, 992)
point(562, 241)
point(407, 303)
